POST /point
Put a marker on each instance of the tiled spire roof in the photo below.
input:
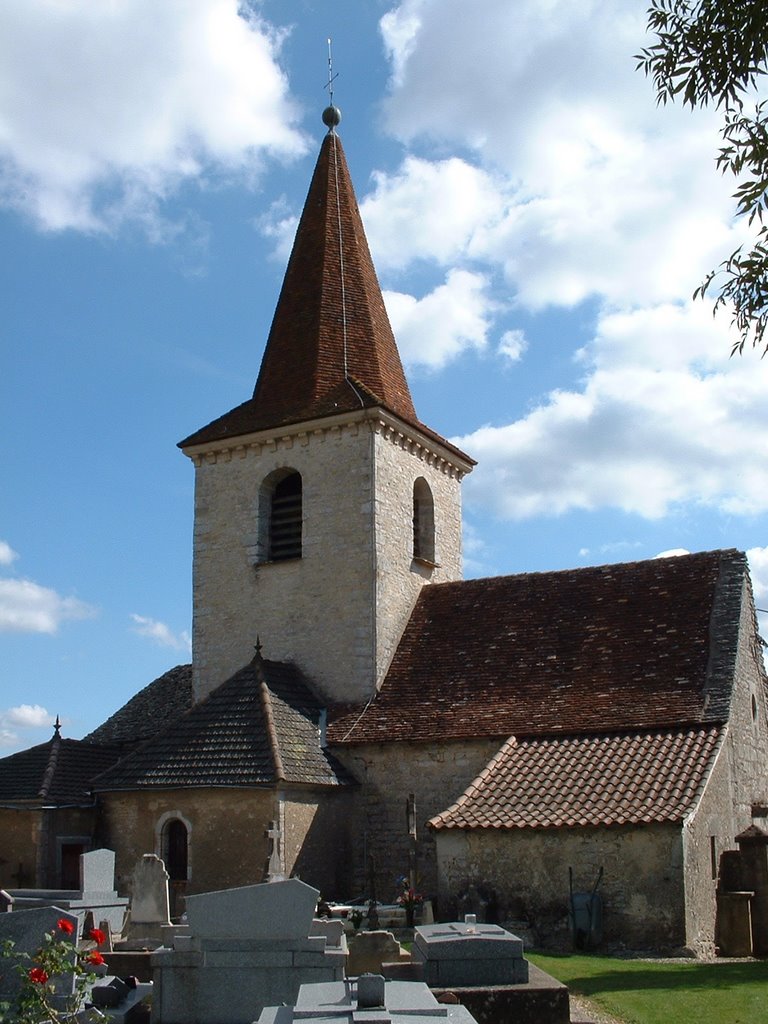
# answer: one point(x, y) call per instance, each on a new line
point(331, 348)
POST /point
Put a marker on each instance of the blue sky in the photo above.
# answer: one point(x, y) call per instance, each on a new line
point(538, 224)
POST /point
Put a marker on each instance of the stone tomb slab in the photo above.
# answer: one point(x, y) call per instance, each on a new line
point(272, 910)
point(466, 953)
point(26, 929)
point(344, 1003)
point(244, 949)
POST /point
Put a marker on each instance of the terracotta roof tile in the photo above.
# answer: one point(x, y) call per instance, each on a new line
point(618, 779)
point(639, 645)
point(260, 726)
point(330, 332)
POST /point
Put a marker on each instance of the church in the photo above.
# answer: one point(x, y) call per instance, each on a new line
point(355, 710)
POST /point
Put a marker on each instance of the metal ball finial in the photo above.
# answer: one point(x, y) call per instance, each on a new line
point(331, 117)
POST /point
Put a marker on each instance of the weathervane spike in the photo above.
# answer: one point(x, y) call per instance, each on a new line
point(331, 114)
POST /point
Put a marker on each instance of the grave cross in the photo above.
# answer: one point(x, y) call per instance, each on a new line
point(275, 872)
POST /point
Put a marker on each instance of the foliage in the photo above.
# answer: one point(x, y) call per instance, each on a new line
point(37, 1000)
point(658, 991)
point(715, 52)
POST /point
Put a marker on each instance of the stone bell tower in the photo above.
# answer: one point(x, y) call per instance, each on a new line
point(322, 504)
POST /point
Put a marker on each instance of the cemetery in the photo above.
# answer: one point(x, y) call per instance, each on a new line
point(256, 952)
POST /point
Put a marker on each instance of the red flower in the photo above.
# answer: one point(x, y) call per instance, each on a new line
point(38, 975)
point(97, 935)
point(65, 926)
point(94, 958)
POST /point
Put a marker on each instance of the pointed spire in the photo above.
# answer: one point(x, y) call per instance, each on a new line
point(331, 348)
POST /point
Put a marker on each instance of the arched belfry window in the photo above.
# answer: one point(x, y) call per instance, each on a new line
point(423, 522)
point(282, 498)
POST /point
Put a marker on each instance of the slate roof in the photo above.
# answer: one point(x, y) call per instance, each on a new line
point(149, 711)
point(642, 645)
point(261, 726)
point(330, 349)
point(55, 773)
point(619, 779)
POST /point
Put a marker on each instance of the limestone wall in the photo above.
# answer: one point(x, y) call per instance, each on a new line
point(226, 828)
point(737, 787)
point(338, 611)
point(19, 831)
point(524, 872)
point(437, 774)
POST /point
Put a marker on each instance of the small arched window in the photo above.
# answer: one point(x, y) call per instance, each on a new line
point(423, 522)
point(175, 849)
point(285, 514)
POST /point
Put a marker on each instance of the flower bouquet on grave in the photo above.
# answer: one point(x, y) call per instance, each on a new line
point(408, 899)
point(37, 1001)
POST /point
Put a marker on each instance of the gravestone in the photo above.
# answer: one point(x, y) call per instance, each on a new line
point(97, 892)
point(244, 949)
point(97, 873)
point(468, 953)
point(150, 907)
point(369, 950)
point(26, 929)
point(367, 999)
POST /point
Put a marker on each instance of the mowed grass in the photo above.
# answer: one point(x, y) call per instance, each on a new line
point(645, 992)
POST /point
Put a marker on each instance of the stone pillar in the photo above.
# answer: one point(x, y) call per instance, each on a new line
point(753, 844)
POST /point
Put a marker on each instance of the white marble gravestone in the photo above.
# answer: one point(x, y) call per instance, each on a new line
point(245, 948)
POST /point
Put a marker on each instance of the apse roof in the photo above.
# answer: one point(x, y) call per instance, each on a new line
point(262, 726)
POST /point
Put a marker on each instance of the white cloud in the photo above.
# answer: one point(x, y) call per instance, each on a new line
point(577, 183)
point(23, 716)
point(27, 716)
point(436, 328)
point(160, 633)
point(27, 607)
point(106, 108)
point(428, 210)
point(7, 554)
point(663, 418)
point(513, 345)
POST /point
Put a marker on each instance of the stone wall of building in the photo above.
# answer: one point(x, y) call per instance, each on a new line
point(317, 841)
point(524, 875)
point(227, 842)
point(437, 774)
point(337, 611)
point(19, 831)
point(399, 463)
point(737, 789)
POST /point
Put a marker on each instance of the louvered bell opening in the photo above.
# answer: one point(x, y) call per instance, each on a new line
point(285, 523)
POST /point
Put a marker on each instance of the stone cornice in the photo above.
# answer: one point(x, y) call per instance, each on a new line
point(407, 436)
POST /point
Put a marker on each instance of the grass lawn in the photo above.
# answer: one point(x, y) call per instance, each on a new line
point(644, 992)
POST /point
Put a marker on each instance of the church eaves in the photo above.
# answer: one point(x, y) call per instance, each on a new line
point(331, 348)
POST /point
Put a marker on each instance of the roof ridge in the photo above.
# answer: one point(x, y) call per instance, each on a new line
point(269, 721)
point(50, 768)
